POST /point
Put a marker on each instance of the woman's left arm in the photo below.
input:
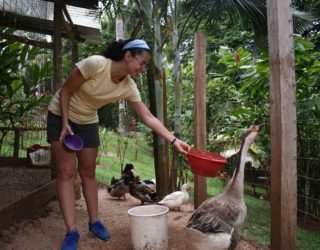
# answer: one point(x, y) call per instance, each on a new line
point(152, 122)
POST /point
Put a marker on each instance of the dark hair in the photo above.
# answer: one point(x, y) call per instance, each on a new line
point(114, 50)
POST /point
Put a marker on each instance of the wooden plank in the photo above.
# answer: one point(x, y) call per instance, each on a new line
point(13, 162)
point(16, 143)
point(283, 126)
point(200, 186)
point(25, 40)
point(22, 129)
point(25, 207)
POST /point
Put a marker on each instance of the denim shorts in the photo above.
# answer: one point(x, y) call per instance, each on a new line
point(88, 132)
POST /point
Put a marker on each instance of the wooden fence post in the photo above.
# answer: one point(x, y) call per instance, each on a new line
point(16, 143)
point(283, 126)
point(200, 185)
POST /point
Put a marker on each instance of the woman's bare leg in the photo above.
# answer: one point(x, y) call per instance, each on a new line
point(87, 167)
point(66, 165)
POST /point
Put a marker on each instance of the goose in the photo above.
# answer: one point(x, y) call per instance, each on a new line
point(176, 199)
point(216, 223)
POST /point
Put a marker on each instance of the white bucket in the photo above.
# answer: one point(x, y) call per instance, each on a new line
point(149, 227)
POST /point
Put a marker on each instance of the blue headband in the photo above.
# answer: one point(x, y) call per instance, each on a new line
point(136, 44)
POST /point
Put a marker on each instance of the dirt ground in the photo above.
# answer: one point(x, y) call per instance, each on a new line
point(46, 229)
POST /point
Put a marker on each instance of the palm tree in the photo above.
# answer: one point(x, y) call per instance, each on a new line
point(209, 13)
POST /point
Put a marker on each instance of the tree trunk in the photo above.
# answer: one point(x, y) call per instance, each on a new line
point(161, 161)
point(177, 92)
point(150, 14)
point(122, 103)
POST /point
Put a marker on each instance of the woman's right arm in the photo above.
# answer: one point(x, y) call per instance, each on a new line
point(73, 82)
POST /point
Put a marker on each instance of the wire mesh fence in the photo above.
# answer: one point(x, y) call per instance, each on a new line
point(308, 174)
point(15, 142)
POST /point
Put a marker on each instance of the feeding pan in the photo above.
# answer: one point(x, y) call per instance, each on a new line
point(73, 142)
point(205, 163)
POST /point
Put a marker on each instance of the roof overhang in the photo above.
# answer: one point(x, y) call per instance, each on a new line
point(87, 4)
point(37, 16)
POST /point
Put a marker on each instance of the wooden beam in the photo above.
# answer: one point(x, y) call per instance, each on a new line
point(75, 53)
point(200, 186)
point(25, 23)
point(28, 24)
point(71, 29)
point(283, 126)
point(57, 39)
point(21, 39)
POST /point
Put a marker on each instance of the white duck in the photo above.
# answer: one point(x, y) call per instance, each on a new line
point(176, 199)
point(216, 223)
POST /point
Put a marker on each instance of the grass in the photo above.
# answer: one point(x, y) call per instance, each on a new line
point(257, 224)
point(308, 240)
point(115, 150)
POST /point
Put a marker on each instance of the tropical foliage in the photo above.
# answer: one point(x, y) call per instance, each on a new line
point(25, 73)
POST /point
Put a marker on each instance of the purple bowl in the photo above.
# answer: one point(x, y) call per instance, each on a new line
point(73, 142)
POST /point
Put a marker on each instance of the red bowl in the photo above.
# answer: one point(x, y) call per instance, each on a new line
point(205, 163)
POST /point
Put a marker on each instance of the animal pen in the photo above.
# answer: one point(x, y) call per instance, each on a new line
point(25, 184)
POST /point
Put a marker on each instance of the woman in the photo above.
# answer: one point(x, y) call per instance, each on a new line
point(92, 83)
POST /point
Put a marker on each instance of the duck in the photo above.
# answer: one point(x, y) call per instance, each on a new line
point(114, 180)
point(216, 223)
point(176, 199)
point(126, 171)
point(142, 192)
point(119, 188)
point(151, 184)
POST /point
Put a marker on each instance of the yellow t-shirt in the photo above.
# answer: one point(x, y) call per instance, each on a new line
point(97, 91)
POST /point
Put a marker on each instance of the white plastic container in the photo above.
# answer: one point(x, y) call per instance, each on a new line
point(149, 227)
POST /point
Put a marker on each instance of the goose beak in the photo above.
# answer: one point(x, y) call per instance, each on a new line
point(189, 188)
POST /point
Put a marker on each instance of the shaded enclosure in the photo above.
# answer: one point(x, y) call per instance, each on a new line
point(25, 186)
point(23, 190)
